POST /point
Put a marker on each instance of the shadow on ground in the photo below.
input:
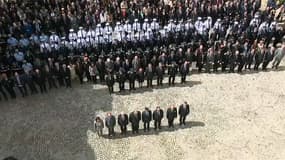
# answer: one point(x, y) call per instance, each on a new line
point(155, 87)
point(51, 126)
point(188, 125)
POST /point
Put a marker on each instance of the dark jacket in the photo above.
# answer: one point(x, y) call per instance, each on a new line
point(184, 110)
point(158, 115)
point(121, 121)
point(146, 116)
point(110, 80)
point(171, 113)
point(110, 121)
point(135, 119)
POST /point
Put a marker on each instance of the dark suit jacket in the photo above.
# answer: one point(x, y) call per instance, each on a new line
point(158, 115)
point(146, 116)
point(184, 111)
point(171, 114)
point(110, 121)
point(135, 120)
point(121, 121)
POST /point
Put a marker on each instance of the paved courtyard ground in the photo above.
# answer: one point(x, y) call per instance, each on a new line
point(232, 117)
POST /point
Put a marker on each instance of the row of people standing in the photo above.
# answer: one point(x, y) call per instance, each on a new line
point(146, 116)
point(33, 81)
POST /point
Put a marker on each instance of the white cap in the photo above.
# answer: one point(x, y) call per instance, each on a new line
point(118, 23)
point(107, 24)
point(71, 30)
point(236, 22)
point(99, 25)
point(256, 16)
point(146, 20)
point(199, 18)
point(62, 38)
point(154, 19)
point(218, 19)
point(136, 20)
point(80, 27)
point(209, 17)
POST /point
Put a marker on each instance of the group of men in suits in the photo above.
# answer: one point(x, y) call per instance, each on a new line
point(146, 116)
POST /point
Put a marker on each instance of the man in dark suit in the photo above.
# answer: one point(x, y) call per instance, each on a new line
point(146, 118)
point(184, 110)
point(171, 115)
point(149, 75)
point(132, 78)
point(110, 122)
point(110, 82)
point(159, 73)
point(8, 84)
point(172, 71)
point(3, 92)
point(184, 69)
point(20, 83)
point(157, 117)
point(30, 81)
point(121, 78)
point(40, 80)
point(135, 118)
point(67, 75)
point(101, 69)
point(123, 121)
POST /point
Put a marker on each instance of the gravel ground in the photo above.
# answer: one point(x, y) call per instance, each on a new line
point(232, 117)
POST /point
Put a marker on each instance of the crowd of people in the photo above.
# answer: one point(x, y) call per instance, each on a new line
point(145, 116)
point(45, 42)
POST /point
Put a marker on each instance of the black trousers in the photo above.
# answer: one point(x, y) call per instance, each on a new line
point(33, 88)
point(43, 87)
point(157, 124)
point(182, 120)
point(149, 82)
point(256, 66)
point(135, 128)
point(159, 80)
point(171, 80)
point(11, 92)
point(4, 94)
point(51, 83)
point(170, 123)
point(111, 89)
point(123, 129)
point(94, 79)
point(146, 126)
point(101, 76)
point(68, 82)
point(183, 78)
point(132, 85)
point(111, 131)
point(23, 90)
point(122, 86)
point(264, 65)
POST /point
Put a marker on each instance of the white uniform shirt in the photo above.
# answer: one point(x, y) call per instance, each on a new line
point(81, 33)
point(137, 26)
